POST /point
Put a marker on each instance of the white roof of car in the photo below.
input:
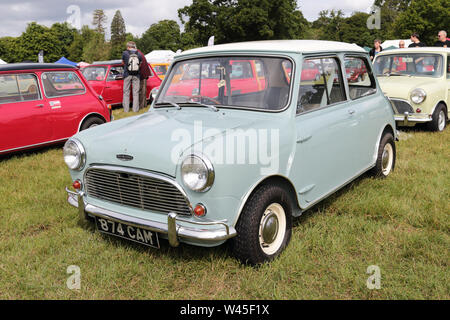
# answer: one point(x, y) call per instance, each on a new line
point(295, 46)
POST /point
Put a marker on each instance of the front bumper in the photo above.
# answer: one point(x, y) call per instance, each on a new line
point(172, 229)
point(408, 119)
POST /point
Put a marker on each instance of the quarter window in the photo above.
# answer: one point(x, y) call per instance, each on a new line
point(17, 88)
point(360, 82)
point(321, 84)
point(115, 71)
point(57, 84)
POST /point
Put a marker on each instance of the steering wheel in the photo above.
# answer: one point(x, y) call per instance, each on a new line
point(200, 97)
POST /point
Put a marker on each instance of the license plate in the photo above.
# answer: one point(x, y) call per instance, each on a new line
point(146, 237)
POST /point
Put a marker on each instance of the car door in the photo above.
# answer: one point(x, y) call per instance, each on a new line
point(364, 104)
point(113, 93)
point(23, 114)
point(65, 99)
point(324, 154)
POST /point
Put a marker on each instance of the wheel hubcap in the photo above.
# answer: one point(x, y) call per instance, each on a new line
point(272, 229)
point(441, 121)
point(387, 159)
point(269, 227)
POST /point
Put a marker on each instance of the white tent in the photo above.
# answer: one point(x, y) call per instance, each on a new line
point(2, 62)
point(160, 56)
point(394, 43)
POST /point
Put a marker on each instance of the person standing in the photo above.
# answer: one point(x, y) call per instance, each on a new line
point(401, 44)
point(132, 60)
point(376, 49)
point(144, 72)
point(415, 41)
point(442, 42)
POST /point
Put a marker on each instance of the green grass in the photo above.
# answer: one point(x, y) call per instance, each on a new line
point(400, 224)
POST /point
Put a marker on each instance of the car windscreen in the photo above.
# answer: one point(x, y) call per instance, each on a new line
point(94, 73)
point(233, 82)
point(409, 64)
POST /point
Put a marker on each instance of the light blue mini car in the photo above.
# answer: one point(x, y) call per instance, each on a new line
point(240, 139)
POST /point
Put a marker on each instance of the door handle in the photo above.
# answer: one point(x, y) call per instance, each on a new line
point(351, 111)
point(39, 106)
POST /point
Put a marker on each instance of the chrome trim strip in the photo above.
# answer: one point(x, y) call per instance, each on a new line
point(34, 145)
point(171, 228)
point(143, 173)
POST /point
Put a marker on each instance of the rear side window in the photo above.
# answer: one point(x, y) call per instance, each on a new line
point(66, 83)
point(114, 72)
point(18, 87)
point(321, 84)
point(360, 81)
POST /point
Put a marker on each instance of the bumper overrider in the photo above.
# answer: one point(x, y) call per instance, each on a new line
point(172, 228)
point(408, 118)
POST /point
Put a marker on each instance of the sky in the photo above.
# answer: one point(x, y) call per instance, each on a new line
point(138, 14)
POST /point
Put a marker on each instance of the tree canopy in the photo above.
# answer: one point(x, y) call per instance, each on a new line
point(227, 21)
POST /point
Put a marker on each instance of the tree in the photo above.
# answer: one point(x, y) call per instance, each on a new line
point(98, 21)
point(96, 49)
point(35, 38)
point(65, 34)
point(242, 20)
point(164, 35)
point(425, 17)
point(118, 36)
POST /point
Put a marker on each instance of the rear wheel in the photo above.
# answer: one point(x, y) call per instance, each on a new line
point(439, 119)
point(91, 122)
point(265, 226)
point(386, 156)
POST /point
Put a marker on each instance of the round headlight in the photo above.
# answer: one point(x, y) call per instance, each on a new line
point(197, 173)
point(418, 95)
point(74, 154)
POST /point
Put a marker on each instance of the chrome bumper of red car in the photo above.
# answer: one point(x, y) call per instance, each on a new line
point(172, 228)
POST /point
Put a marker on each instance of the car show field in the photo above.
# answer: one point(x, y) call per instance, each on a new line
point(399, 224)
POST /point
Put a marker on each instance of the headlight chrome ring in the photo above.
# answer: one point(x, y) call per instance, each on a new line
point(418, 95)
point(74, 154)
point(197, 173)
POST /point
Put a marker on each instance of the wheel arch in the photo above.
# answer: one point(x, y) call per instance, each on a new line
point(275, 179)
point(89, 116)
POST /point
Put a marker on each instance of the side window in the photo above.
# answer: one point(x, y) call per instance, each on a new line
point(17, 88)
point(115, 71)
point(360, 81)
point(320, 85)
point(28, 87)
point(66, 83)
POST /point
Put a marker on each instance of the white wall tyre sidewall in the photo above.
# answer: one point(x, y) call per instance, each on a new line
point(273, 211)
point(387, 159)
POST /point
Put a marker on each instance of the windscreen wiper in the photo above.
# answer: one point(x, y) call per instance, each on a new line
point(213, 108)
point(168, 102)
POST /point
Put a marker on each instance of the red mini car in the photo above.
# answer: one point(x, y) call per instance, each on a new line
point(106, 77)
point(45, 103)
point(246, 77)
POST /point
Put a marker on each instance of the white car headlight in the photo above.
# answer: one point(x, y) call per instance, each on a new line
point(74, 154)
point(418, 95)
point(197, 173)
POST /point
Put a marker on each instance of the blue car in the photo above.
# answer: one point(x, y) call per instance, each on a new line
point(240, 152)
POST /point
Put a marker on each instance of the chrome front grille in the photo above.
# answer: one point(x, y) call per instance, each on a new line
point(401, 106)
point(137, 189)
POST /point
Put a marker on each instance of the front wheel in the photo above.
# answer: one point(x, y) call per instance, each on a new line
point(386, 156)
point(439, 119)
point(265, 226)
